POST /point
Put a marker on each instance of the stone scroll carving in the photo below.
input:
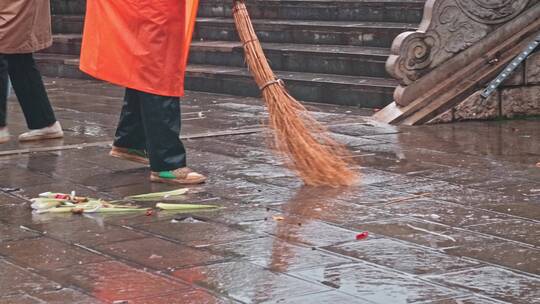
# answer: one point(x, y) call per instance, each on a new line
point(448, 27)
point(492, 11)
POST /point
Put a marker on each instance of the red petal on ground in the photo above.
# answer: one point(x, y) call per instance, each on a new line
point(362, 236)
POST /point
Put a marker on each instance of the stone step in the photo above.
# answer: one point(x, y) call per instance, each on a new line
point(329, 10)
point(367, 92)
point(321, 59)
point(372, 34)
point(67, 24)
point(407, 11)
point(327, 59)
point(68, 7)
point(65, 44)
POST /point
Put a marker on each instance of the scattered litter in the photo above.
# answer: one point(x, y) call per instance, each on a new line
point(10, 189)
point(51, 202)
point(165, 206)
point(155, 256)
point(159, 195)
point(278, 218)
point(186, 219)
point(362, 236)
point(28, 229)
point(535, 190)
point(39, 203)
point(64, 197)
point(432, 216)
point(431, 232)
point(318, 209)
point(77, 210)
point(407, 198)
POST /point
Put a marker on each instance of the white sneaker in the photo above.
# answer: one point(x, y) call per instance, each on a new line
point(50, 132)
point(4, 135)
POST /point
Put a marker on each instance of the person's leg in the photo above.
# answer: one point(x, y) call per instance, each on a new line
point(3, 91)
point(30, 91)
point(130, 141)
point(161, 120)
point(4, 134)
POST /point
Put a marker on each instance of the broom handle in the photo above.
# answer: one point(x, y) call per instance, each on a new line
point(252, 46)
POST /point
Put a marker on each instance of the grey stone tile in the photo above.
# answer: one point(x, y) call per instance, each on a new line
point(403, 257)
point(247, 282)
point(376, 285)
point(495, 282)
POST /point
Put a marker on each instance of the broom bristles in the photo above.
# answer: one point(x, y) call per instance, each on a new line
point(313, 155)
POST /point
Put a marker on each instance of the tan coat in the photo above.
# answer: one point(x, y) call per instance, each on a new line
point(25, 26)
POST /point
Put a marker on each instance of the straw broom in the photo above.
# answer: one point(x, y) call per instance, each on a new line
point(312, 154)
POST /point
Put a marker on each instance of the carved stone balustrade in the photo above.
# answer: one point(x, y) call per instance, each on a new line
point(448, 28)
point(459, 47)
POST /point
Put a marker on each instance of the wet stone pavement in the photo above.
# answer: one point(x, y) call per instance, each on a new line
point(452, 212)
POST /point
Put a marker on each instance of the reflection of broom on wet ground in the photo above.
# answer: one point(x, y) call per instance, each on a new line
point(317, 158)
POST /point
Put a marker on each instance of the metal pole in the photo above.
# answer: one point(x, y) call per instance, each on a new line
point(510, 68)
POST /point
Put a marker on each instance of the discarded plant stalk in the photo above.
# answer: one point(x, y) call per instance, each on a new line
point(92, 206)
point(159, 195)
point(312, 153)
point(64, 197)
point(60, 203)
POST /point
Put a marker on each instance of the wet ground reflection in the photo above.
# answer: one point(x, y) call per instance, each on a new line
point(452, 213)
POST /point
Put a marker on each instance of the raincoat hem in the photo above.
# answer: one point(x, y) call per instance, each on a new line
point(128, 84)
point(32, 48)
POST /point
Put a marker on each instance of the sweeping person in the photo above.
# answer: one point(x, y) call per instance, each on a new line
point(25, 27)
point(143, 46)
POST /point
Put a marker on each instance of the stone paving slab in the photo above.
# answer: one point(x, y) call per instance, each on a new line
point(278, 255)
point(247, 282)
point(498, 283)
point(452, 212)
point(392, 253)
point(376, 285)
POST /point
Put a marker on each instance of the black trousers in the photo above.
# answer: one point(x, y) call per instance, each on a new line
point(29, 88)
point(152, 122)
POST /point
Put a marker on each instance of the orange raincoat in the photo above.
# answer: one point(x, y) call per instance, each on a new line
point(139, 44)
